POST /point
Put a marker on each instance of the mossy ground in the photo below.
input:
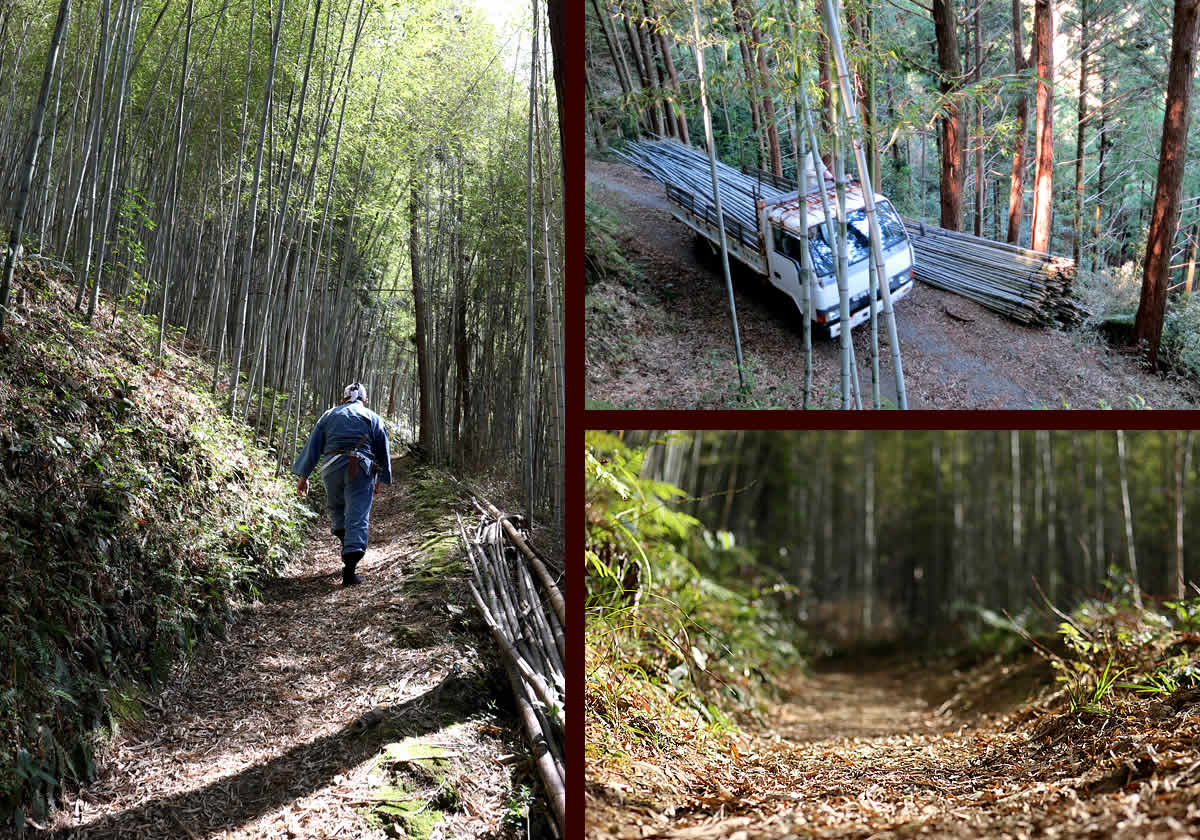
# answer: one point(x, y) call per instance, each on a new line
point(417, 787)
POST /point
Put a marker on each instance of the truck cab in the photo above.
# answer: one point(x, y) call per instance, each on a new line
point(791, 222)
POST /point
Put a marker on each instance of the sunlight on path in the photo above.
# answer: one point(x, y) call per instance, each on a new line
point(851, 754)
point(274, 731)
point(876, 753)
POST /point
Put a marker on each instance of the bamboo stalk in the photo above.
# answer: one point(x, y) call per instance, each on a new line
point(552, 590)
point(864, 177)
point(800, 144)
point(843, 269)
point(712, 161)
point(553, 779)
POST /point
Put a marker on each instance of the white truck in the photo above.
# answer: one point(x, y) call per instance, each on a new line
point(766, 226)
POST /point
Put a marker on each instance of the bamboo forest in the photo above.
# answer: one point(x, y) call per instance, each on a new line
point(891, 634)
point(995, 203)
point(282, 418)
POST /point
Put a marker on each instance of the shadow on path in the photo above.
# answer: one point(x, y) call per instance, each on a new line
point(273, 728)
point(231, 801)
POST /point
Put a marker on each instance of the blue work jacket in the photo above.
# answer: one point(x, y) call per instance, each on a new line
point(344, 430)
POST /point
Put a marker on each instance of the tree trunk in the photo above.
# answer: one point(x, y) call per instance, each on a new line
point(174, 188)
point(868, 614)
point(1043, 176)
point(667, 125)
point(1098, 482)
point(1077, 251)
point(978, 131)
point(1183, 457)
point(1172, 157)
point(557, 16)
point(1014, 447)
point(642, 63)
point(740, 18)
point(1051, 563)
point(825, 83)
point(953, 175)
point(768, 106)
point(1129, 546)
point(248, 256)
point(680, 117)
point(618, 58)
point(414, 251)
point(462, 351)
point(1100, 168)
point(26, 175)
point(530, 320)
point(1191, 268)
point(91, 167)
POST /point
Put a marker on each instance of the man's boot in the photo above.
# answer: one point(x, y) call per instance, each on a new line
point(349, 561)
point(340, 533)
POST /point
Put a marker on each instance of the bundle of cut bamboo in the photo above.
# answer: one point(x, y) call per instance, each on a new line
point(528, 629)
point(672, 163)
point(1027, 286)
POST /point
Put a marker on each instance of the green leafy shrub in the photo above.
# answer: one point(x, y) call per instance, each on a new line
point(134, 517)
point(1181, 335)
point(1114, 645)
point(602, 253)
point(670, 638)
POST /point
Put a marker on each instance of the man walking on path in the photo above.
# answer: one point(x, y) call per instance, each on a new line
point(355, 445)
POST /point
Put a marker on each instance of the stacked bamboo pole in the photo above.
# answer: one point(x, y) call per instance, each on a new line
point(527, 625)
point(676, 165)
point(1027, 286)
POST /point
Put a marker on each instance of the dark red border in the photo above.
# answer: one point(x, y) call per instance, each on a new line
point(891, 420)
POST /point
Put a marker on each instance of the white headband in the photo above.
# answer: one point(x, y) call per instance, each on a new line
point(355, 392)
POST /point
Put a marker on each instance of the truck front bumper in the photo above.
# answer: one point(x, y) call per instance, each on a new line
point(899, 288)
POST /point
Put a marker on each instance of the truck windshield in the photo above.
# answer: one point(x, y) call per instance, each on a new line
point(857, 237)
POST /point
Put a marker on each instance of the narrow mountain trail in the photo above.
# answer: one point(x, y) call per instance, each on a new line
point(326, 711)
point(895, 752)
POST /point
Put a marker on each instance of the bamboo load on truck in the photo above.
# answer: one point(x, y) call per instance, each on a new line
point(767, 222)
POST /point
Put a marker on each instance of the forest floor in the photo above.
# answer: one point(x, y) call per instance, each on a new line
point(893, 750)
point(670, 323)
point(327, 711)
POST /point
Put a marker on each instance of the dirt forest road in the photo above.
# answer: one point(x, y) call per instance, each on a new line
point(671, 325)
point(887, 752)
point(362, 712)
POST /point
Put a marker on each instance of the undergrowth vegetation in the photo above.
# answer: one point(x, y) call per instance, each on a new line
point(1112, 298)
point(603, 256)
point(672, 656)
point(134, 517)
point(1118, 654)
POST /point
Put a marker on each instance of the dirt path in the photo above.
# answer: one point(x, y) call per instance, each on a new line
point(327, 711)
point(671, 324)
point(878, 753)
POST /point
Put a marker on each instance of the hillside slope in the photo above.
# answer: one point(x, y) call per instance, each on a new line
point(134, 519)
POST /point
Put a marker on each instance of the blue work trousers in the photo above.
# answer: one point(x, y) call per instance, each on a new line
point(350, 505)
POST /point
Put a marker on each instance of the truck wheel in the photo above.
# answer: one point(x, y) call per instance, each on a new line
point(705, 249)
